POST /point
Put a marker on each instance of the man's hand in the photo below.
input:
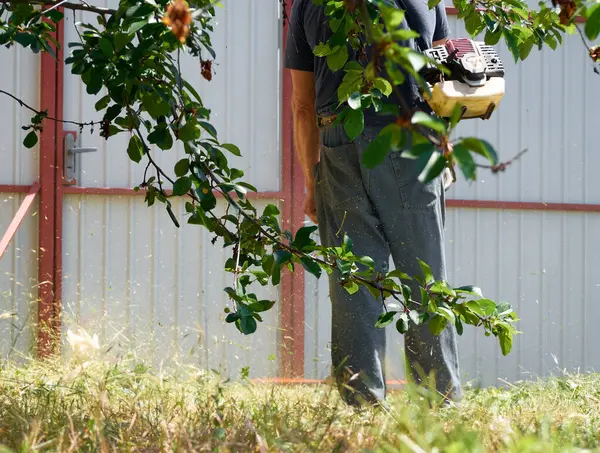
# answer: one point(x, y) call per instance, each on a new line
point(310, 206)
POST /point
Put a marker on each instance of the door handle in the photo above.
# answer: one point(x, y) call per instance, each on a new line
point(71, 162)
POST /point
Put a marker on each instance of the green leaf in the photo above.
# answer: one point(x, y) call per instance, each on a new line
point(383, 85)
point(505, 339)
point(54, 15)
point(392, 16)
point(474, 290)
point(232, 317)
point(354, 101)
point(182, 167)
point(270, 210)
point(106, 47)
point(415, 316)
point(512, 43)
point(473, 23)
point(136, 26)
point(465, 161)
point(338, 59)
point(190, 130)
point(366, 260)
point(346, 244)
point(503, 308)
point(247, 325)
point(102, 103)
point(432, 3)
point(459, 326)
point(322, 50)
point(30, 140)
point(135, 150)
point(354, 123)
point(351, 287)
point(592, 24)
point(437, 324)
point(182, 186)
point(482, 148)
point(402, 323)
point(25, 39)
point(447, 313)
point(303, 238)
point(282, 256)
point(232, 149)
point(416, 60)
point(526, 48)
point(385, 319)
point(209, 128)
point(311, 266)
point(261, 305)
point(406, 293)
point(172, 214)
point(493, 37)
point(483, 307)
point(161, 136)
point(377, 150)
point(426, 120)
point(399, 275)
point(427, 273)
point(434, 166)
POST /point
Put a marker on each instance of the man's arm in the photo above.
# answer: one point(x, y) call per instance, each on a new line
point(306, 132)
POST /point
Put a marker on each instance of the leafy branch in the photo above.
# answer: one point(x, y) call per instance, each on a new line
point(131, 55)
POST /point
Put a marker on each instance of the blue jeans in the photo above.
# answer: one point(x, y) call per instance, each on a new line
point(384, 210)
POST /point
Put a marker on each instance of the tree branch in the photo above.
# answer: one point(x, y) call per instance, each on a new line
point(37, 112)
point(67, 5)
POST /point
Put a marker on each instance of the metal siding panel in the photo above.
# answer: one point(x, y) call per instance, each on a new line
point(19, 164)
point(146, 285)
point(545, 270)
point(317, 332)
point(591, 297)
point(545, 111)
point(244, 105)
point(18, 266)
point(18, 281)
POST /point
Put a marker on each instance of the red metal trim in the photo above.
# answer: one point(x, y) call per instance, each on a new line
point(58, 178)
point(48, 234)
point(18, 218)
point(126, 192)
point(292, 285)
point(303, 381)
point(523, 205)
point(14, 188)
point(452, 11)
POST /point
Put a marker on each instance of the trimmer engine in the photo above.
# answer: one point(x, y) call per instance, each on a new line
point(475, 82)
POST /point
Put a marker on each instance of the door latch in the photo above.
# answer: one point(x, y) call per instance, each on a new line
point(72, 167)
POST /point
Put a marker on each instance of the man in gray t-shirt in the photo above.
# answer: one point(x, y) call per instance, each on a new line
point(385, 210)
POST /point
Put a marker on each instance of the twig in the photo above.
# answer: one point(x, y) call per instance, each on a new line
point(37, 112)
point(501, 166)
point(587, 46)
point(67, 5)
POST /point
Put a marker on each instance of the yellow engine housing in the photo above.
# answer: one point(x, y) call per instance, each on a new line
point(478, 101)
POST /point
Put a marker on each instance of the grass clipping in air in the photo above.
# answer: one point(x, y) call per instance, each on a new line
point(124, 407)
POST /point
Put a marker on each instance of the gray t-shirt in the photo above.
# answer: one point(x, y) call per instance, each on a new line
point(309, 27)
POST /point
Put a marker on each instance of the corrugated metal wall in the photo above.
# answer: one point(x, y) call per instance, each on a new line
point(545, 263)
point(126, 265)
point(18, 266)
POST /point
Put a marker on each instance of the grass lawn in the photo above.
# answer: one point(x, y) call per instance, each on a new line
point(106, 407)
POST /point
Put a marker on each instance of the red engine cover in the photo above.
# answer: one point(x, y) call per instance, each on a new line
point(461, 46)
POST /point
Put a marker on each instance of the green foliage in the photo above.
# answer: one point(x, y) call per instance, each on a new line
point(132, 57)
point(130, 407)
